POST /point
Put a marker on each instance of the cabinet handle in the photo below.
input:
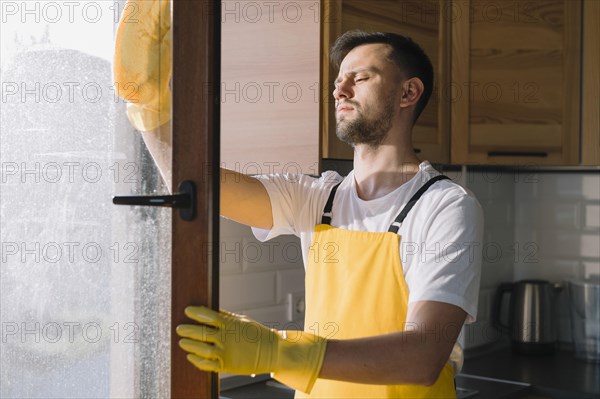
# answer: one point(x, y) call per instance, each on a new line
point(417, 150)
point(540, 154)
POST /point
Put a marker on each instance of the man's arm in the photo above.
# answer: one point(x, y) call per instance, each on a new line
point(243, 198)
point(414, 356)
point(140, 48)
point(160, 146)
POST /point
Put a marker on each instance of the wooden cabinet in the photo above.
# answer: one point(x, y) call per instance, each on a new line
point(422, 21)
point(507, 86)
point(507, 77)
point(270, 86)
point(590, 120)
point(516, 72)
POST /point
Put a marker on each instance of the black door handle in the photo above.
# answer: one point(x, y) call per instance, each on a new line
point(184, 199)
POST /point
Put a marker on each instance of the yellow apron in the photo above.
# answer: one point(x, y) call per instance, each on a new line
point(355, 288)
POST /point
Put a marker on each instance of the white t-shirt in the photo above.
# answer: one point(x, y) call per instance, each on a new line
point(441, 237)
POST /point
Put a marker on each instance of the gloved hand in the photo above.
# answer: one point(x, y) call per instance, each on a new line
point(142, 62)
point(231, 343)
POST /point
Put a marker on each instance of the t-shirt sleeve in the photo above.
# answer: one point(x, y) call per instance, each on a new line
point(295, 202)
point(447, 266)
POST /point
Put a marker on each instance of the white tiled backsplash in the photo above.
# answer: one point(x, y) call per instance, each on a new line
point(495, 191)
point(256, 278)
point(544, 225)
point(559, 214)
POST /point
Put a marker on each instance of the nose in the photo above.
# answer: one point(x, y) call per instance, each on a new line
point(342, 90)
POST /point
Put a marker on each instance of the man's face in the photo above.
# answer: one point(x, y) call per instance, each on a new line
point(366, 95)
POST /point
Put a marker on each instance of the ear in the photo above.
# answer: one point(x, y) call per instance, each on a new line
point(412, 90)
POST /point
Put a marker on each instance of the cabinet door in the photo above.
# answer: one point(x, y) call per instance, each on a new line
point(270, 86)
point(516, 82)
point(418, 19)
point(590, 123)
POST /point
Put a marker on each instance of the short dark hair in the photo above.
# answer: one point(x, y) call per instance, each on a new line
point(406, 54)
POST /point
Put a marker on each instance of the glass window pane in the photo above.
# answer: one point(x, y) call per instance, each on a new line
point(84, 284)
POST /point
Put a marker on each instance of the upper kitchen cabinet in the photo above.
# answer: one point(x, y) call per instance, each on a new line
point(418, 19)
point(590, 122)
point(516, 82)
point(270, 86)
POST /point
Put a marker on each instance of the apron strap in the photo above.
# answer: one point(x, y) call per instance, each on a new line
point(402, 215)
point(326, 218)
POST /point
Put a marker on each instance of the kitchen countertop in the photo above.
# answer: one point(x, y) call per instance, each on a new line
point(556, 375)
point(469, 387)
point(495, 373)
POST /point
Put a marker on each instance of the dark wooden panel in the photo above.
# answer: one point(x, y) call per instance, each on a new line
point(196, 76)
point(590, 129)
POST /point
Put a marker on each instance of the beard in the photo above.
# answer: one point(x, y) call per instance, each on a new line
point(361, 130)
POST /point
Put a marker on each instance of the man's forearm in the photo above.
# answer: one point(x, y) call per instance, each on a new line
point(243, 198)
point(160, 145)
point(407, 357)
point(413, 356)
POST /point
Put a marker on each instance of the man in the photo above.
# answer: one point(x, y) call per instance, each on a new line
point(392, 267)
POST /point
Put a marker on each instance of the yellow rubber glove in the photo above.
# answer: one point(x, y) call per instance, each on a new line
point(231, 343)
point(142, 62)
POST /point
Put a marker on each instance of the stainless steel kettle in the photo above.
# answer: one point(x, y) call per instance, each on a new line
point(531, 320)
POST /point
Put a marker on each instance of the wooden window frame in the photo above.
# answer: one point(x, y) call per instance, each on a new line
point(196, 79)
